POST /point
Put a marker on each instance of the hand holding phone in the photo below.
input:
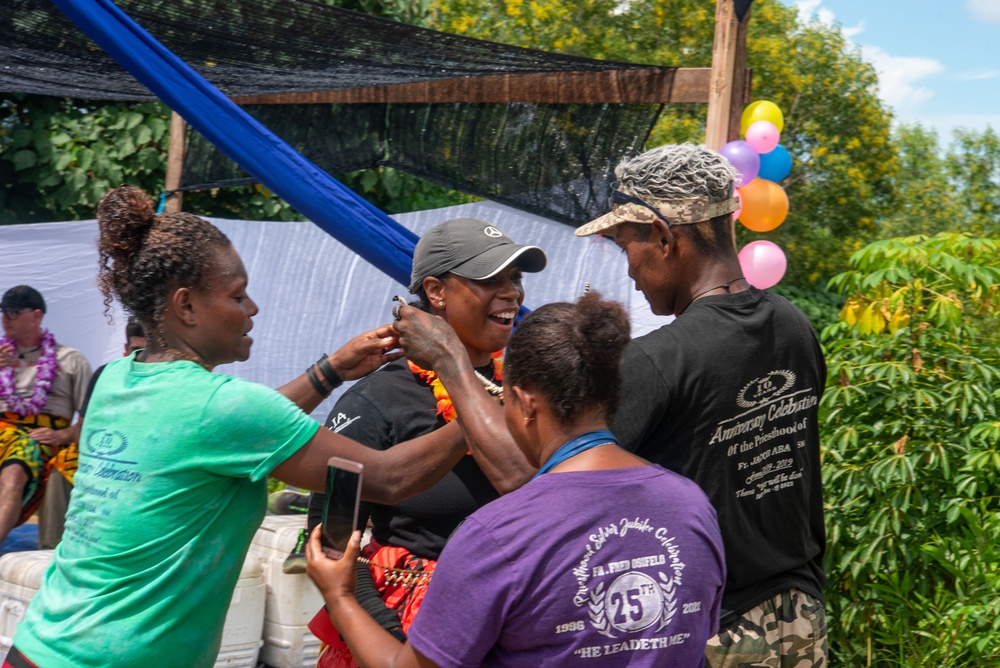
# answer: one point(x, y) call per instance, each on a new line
point(343, 498)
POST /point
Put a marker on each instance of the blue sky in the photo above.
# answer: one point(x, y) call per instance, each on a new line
point(938, 60)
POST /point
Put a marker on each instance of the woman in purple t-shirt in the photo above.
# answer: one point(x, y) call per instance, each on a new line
point(603, 558)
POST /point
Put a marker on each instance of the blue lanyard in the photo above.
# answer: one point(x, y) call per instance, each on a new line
point(591, 439)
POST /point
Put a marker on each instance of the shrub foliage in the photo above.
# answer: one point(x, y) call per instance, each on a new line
point(912, 455)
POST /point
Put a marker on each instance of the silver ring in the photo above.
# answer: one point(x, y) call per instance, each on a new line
point(400, 303)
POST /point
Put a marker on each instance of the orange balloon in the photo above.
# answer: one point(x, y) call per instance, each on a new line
point(765, 205)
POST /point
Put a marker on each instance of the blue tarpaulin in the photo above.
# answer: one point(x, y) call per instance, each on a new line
point(20, 539)
point(315, 194)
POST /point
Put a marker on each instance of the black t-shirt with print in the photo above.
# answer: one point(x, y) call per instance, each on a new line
point(388, 407)
point(728, 395)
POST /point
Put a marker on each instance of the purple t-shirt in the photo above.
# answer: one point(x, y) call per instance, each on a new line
point(614, 567)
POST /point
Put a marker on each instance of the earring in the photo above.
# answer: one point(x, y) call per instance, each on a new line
point(527, 420)
point(441, 303)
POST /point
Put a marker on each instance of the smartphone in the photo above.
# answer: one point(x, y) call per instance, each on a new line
point(343, 497)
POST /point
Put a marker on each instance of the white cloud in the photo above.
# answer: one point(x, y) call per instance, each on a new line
point(903, 80)
point(984, 10)
point(806, 8)
point(978, 75)
point(898, 77)
point(810, 10)
point(851, 31)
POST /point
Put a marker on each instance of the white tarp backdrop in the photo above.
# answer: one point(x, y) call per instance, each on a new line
point(314, 294)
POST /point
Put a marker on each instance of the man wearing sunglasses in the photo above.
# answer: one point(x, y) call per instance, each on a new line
point(727, 394)
point(42, 384)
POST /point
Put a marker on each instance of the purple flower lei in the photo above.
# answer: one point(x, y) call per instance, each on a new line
point(45, 374)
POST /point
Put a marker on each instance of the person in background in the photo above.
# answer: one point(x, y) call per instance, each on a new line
point(174, 459)
point(727, 395)
point(41, 387)
point(602, 558)
point(467, 273)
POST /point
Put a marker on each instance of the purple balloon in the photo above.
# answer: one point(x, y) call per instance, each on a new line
point(744, 159)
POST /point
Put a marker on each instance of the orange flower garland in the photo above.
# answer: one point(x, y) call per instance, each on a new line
point(445, 408)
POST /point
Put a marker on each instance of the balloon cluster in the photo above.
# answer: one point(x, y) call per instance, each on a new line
point(760, 162)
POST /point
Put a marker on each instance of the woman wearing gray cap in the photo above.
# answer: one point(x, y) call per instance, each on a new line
point(467, 272)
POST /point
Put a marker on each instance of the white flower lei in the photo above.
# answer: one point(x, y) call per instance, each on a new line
point(45, 374)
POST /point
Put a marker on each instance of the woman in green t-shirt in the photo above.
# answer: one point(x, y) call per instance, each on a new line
point(174, 459)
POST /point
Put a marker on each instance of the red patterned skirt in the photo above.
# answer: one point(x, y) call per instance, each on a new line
point(400, 578)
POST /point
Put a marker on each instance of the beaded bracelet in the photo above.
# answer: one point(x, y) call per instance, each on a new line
point(329, 372)
point(317, 385)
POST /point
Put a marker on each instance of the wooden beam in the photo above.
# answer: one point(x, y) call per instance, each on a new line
point(175, 162)
point(656, 86)
point(720, 96)
point(741, 80)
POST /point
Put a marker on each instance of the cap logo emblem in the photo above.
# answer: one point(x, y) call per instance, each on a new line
point(492, 232)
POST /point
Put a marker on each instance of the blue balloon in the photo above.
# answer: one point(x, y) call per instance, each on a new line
point(775, 165)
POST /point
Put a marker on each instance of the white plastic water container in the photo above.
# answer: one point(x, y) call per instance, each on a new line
point(241, 635)
point(292, 600)
point(21, 576)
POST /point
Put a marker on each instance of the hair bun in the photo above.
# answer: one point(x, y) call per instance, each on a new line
point(125, 215)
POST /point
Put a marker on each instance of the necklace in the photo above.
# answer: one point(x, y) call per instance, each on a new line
point(445, 408)
point(724, 285)
point(575, 446)
point(21, 354)
point(181, 356)
point(45, 373)
point(489, 385)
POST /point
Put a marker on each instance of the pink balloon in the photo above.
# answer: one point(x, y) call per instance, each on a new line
point(763, 136)
point(739, 196)
point(763, 263)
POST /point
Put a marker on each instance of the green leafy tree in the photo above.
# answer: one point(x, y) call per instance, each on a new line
point(60, 156)
point(936, 191)
point(925, 201)
point(912, 455)
point(973, 166)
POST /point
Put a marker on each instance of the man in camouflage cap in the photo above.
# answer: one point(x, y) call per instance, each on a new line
point(727, 395)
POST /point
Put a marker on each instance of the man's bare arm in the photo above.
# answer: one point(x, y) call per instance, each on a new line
point(431, 343)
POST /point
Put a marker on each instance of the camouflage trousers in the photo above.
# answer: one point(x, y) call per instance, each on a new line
point(787, 631)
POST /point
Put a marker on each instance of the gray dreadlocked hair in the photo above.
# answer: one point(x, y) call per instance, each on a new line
point(678, 171)
point(681, 171)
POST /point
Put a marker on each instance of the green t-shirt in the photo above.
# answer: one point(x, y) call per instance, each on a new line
point(171, 487)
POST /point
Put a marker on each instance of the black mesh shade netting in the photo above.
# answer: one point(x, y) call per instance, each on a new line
point(555, 160)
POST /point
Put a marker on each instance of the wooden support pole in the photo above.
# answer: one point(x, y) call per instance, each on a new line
point(175, 162)
point(741, 80)
point(720, 93)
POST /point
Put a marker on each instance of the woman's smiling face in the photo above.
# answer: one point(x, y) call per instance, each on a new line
point(481, 312)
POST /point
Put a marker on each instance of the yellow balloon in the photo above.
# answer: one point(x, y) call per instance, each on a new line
point(761, 110)
point(765, 205)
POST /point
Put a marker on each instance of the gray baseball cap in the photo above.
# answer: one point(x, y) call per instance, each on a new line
point(470, 248)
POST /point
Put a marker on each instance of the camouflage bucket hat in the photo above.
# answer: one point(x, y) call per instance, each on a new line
point(629, 209)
